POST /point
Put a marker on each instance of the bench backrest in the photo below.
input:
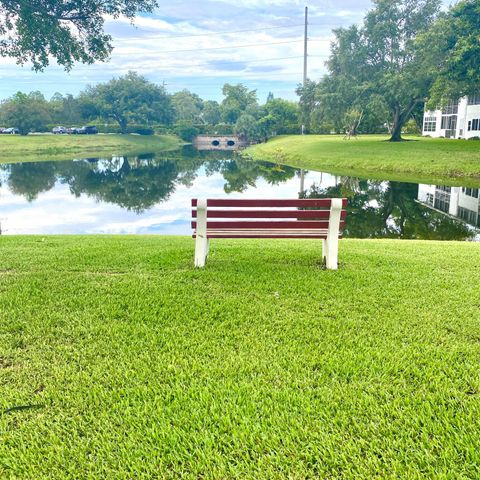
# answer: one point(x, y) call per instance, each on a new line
point(246, 218)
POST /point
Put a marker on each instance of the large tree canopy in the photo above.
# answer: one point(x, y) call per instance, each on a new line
point(26, 112)
point(128, 99)
point(380, 61)
point(68, 30)
point(452, 47)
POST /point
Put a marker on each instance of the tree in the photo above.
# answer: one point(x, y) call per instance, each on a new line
point(187, 105)
point(238, 99)
point(382, 57)
point(27, 112)
point(285, 115)
point(127, 99)
point(211, 112)
point(69, 30)
point(65, 109)
point(247, 127)
point(308, 102)
point(452, 48)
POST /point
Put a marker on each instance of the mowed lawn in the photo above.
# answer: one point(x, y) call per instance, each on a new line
point(118, 360)
point(371, 156)
point(16, 148)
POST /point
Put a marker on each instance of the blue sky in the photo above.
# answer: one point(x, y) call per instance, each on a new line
point(182, 44)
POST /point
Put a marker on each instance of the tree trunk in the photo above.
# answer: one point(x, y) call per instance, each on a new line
point(123, 125)
point(397, 125)
point(400, 118)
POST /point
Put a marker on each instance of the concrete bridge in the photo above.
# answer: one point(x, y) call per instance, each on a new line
point(219, 142)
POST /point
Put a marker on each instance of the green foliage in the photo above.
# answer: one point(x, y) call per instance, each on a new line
point(379, 61)
point(188, 106)
point(65, 110)
point(127, 99)
point(452, 46)
point(411, 128)
point(211, 113)
point(186, 131)
point(284, 116)
point(135, 129)
point(238, 100)
point(260, 366)
point(69, 31)
point(28, 113)
point(247, 127)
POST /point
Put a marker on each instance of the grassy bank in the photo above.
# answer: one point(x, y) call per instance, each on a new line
point(119, 360)
point(370, 156)
point(15, 148)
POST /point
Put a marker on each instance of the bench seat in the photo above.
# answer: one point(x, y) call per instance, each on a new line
point(267, 218)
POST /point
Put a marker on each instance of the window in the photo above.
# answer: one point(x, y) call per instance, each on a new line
point(474, 99)
point(471, 192)
point(468, 215)
point(449, 122)
point(429, 124)
point(451, 109)
point(474, 124)
point(442, 198)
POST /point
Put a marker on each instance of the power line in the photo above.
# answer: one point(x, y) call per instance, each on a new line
point(229, 47)
point(226, 32)
point(245, 62)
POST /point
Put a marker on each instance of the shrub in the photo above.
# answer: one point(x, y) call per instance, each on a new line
point(186, 131)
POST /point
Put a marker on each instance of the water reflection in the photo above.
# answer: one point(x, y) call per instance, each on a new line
point(393, 210)
point(151, 194)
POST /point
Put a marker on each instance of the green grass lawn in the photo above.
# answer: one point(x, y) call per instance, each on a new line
point(370, 156)
point(15, 148)
point(118, 360)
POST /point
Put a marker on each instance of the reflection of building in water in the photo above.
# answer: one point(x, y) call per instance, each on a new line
point(459, 202)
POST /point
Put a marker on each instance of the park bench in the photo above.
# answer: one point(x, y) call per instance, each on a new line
point(321, 218)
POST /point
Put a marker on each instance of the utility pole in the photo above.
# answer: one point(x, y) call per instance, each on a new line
point(305, 48)
point(305, 56)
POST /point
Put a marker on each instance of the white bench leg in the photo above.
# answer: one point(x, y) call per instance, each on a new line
point(331, 243)
point(201, 242)
point(201, 251)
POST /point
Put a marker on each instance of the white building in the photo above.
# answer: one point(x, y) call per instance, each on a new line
point(462, 203)
point(457, 120)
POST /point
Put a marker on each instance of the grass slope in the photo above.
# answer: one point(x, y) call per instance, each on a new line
point(119, 360)
point(14, 148)
point(370, 156)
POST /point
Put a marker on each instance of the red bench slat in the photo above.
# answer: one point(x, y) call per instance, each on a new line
point(267, 225)
point(306, 203)
point(214, 235)
point(299, 214)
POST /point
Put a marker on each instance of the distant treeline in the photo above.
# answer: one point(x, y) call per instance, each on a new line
point(132, 104)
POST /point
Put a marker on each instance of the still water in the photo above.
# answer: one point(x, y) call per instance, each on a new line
point(151, 194)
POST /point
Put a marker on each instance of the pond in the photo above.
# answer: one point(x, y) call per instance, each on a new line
point(151, 194)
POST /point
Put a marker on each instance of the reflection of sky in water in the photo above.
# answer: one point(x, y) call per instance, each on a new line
point(59, 212)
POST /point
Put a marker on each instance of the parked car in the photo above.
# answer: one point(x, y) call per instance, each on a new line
point(88, 130)
point(59, 130)
point(73, 130)
point(11, 131)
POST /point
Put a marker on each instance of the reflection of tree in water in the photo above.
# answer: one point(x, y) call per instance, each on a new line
point(138, 183)
point(390, 209)
point(239, 174)
point(29, 179)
